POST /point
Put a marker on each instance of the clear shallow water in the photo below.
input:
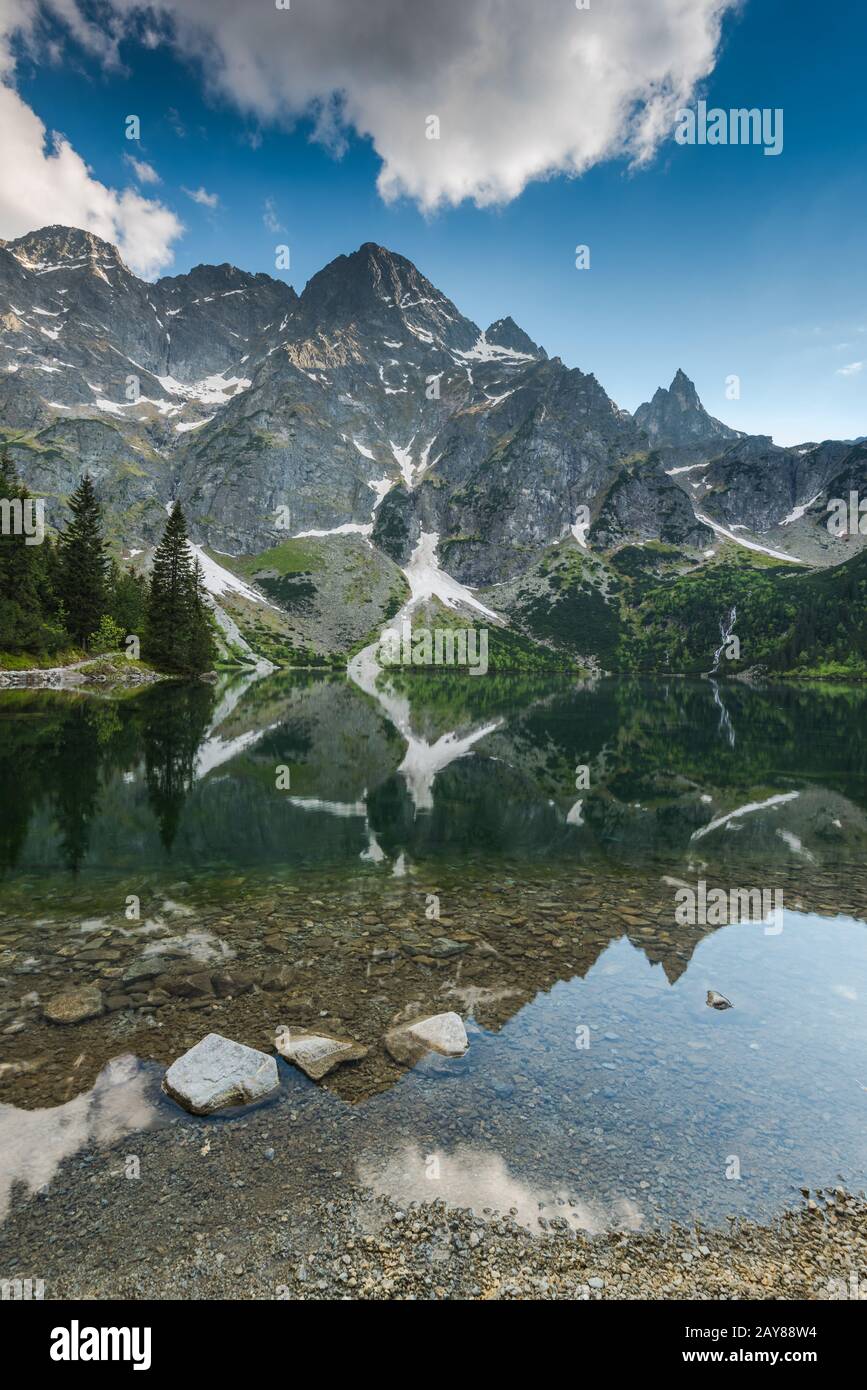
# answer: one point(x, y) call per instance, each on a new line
point(674, 1110)
point(671, 1100)
point(556, 913)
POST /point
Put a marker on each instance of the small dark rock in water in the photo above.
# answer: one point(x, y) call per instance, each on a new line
point(278, 978)
point(142, 970)
point(74, 1005)
point(230, 983)
point(718, 1001)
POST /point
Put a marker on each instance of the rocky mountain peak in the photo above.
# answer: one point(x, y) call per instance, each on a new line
point(216, 290)
point(378, 290)
point(683, 390)
point(63, 246)
point(506, 333)
point(224, 277)
point(676, 417)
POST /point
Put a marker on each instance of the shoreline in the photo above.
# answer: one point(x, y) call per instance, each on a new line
point(74, 676)
point(106, 669)
point(172, 1235)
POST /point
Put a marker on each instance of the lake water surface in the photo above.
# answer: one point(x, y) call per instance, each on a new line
point(305, 850)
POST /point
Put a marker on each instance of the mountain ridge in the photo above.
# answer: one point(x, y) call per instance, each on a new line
point(368, 405)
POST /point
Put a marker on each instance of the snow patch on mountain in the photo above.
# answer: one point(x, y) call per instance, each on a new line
point(220, 581)
point(194, 425)
point(426, 580)
point(381, 486)
point(483, 351)
point(797, 512)
point(211, 390)
point(403, 458)
point(349, 528)
point(741, 540)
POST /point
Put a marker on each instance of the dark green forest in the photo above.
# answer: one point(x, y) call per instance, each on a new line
point(647, 613)
point(65, 597)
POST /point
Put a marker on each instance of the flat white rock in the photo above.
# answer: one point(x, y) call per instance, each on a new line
point(217, 1073)
point(442, 1033)
point(316, 1053)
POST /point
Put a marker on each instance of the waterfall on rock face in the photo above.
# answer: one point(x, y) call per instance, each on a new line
point(726, 628)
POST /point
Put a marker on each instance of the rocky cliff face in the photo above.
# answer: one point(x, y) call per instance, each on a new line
point(676, 418)
point(102, 372)
point(367, 405)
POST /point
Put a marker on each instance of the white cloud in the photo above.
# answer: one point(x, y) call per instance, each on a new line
point(522, 90)
point(52, 183)
point(270, 218)
point(202, 197)
point(22, 18)
point(851, 369)
point(47, 181)
point(144, 172)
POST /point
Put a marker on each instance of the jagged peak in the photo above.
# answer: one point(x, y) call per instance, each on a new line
point(683, 389)
point(365, 270)
point(676, 414)
point(506, 333)
point(377, 284)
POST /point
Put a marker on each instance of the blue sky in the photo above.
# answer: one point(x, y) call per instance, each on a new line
point(718, 259)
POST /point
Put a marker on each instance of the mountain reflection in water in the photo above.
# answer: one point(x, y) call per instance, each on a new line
point(438, 768)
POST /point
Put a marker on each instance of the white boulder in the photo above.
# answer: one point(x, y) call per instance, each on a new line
point(218, 1072)
point(442, 1033)
point(316, 1053)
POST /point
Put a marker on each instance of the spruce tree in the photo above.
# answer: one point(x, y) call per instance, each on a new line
point(171, 576)
point(84, 564)
point(127, 598)
point(178, 634)
point(201, 650)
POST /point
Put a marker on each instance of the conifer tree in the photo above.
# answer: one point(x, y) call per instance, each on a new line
point(84, 564)
point(171, 577)
point(127, 598)
point(201, 650)
point(178, 635)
